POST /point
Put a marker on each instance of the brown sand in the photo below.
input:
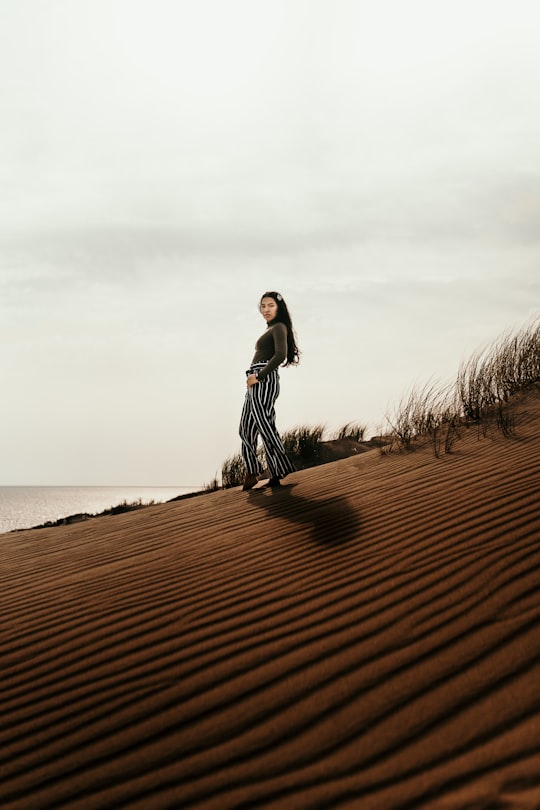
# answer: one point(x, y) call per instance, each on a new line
point(368, 637)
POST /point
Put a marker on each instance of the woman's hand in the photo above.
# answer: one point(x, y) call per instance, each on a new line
point(252, 380)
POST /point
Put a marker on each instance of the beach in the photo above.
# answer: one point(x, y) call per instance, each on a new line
point(367, 636)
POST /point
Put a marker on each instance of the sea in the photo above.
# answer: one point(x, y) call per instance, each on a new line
point(26, 507)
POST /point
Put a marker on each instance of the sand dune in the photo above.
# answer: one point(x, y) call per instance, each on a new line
point(367, 637)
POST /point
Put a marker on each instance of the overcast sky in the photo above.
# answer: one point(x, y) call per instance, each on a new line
point(164, 162)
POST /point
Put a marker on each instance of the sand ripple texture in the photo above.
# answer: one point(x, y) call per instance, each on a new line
point(367, 637)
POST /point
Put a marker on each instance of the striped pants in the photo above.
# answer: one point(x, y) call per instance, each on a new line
point(259, 419)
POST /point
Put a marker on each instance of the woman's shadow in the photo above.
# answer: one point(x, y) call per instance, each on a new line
point(332, 521)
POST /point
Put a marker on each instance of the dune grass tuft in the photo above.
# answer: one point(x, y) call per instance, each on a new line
point(233, 471)
point(302, 444)
point(481, 395)
point(351, 430)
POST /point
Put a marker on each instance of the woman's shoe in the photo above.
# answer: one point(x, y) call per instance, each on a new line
point(250, 481)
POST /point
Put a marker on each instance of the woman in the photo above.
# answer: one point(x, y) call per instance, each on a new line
point(275, 347)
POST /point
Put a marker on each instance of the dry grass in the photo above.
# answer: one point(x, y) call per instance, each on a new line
point(351, 430)
point(302, 444)
point(481, 395)
point(233, 471)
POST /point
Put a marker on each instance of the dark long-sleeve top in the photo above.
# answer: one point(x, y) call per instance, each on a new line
point(271, 347)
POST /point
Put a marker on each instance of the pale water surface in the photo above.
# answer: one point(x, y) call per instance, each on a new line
point(24, 507)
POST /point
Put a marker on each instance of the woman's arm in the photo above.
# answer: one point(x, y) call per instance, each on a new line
point(279, 335)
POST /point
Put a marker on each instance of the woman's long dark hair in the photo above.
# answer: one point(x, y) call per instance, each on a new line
point(283, 316)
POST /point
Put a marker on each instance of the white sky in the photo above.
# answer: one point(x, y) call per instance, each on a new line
point(163, 162)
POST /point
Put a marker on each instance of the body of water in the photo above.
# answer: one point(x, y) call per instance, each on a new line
point(25, 507)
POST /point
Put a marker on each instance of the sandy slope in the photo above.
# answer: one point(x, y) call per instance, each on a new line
point(368, 637)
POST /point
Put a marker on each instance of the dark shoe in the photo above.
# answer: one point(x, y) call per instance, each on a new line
point(250, 481)
point(273, 482)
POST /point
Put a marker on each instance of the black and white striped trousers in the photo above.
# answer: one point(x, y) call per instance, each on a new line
point(259, 419)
